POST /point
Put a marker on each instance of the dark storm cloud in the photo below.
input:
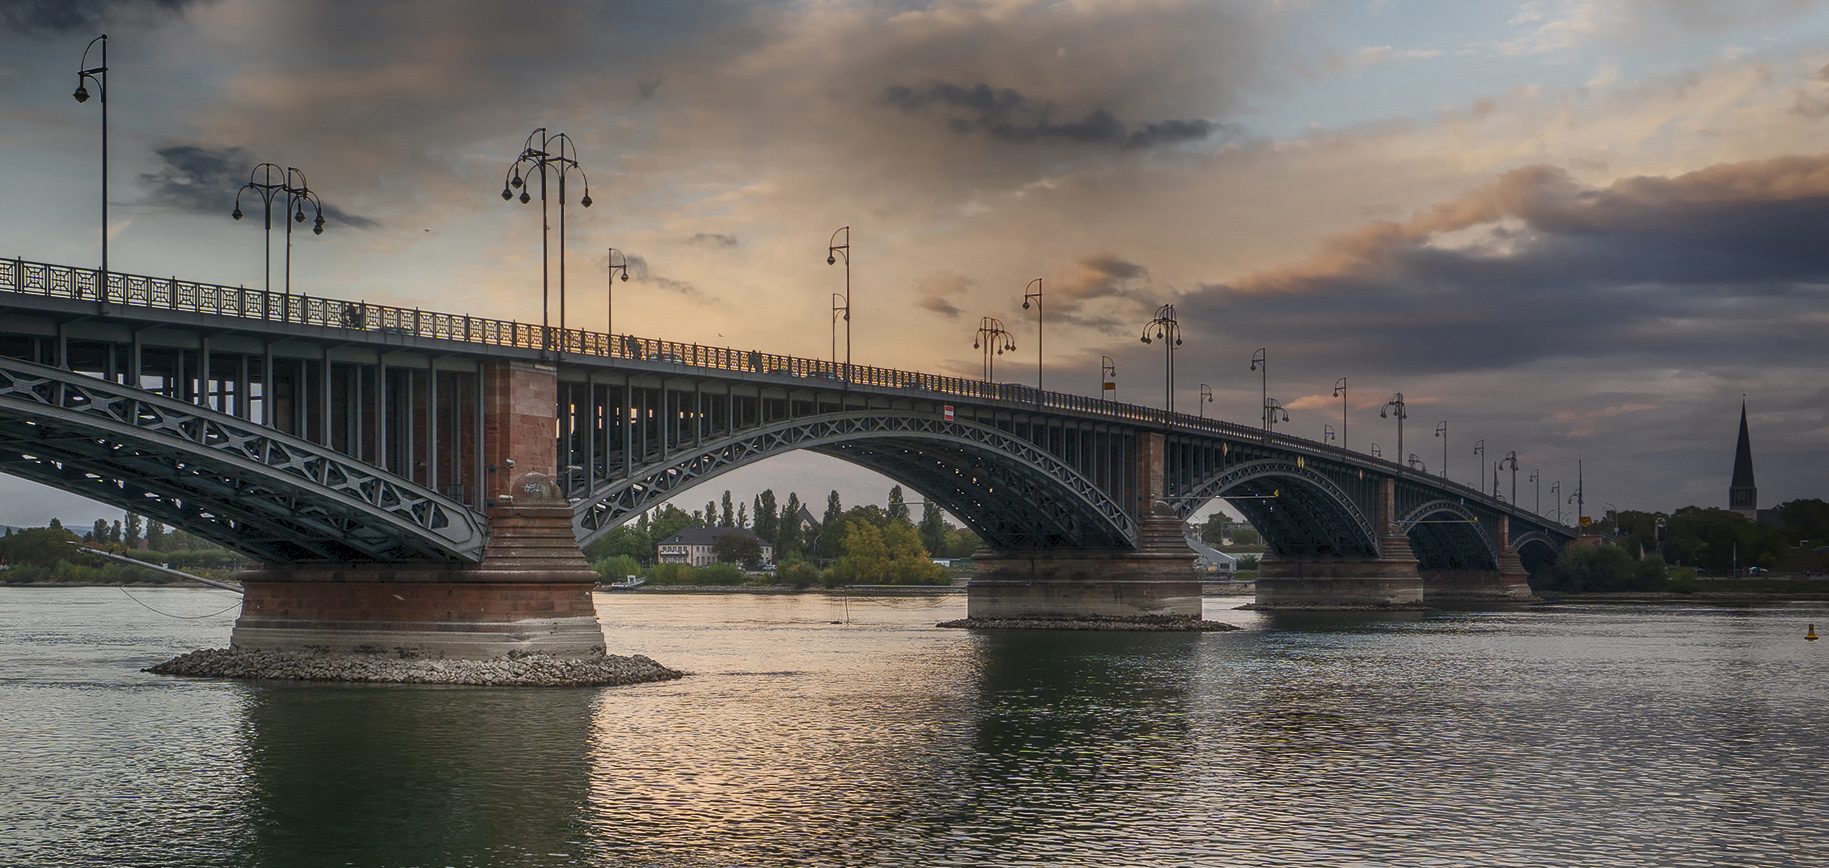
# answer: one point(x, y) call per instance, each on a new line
point(205, 180)
point(1102, 291)
point(1721, 267)
point(640, 271)
point(64, 16)
point(712, 239)
point(1007, 115)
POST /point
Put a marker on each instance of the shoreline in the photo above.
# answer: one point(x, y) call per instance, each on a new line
point(529, 670)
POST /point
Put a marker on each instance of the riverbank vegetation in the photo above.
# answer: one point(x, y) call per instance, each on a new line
point(53, 554)
point(1699, 549)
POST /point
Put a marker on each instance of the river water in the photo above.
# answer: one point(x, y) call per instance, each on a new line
point(1669, 735)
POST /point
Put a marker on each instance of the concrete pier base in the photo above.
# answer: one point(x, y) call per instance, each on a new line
point(531, 593)
point(1338, 583)
point(1475, 586)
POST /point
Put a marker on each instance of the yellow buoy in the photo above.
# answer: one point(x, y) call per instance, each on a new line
point(1811, 635)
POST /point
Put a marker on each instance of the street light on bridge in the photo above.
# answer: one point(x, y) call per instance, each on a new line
point(1206, 397)
point(1168, 331)
point(1513, 458)
point(1327, 433)
point(1260, 362)
point(1417, 464)
point(1108, 378)
point(1479, 448)
point(98, 74)
point(1375, 451)
point(1396, 406)
point(1536, 479)
point(609, 325)
point(841, 303)
point(1036, 296)
point(993, 340)
point(1272, 408)
point(1340, 392)
point(1441, 431)
point(293, 186)
point(1556, 495)
point(555, 153)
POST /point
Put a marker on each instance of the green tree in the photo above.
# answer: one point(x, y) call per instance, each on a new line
point(961, 543)
point(728, 516)
point(788, 540)
point(1213, 530)
point(114, 532)
point(133, 531)
point(155, 536)
point(768, 517)
point(668, 521)
point(1245, 535)
point(1588, 568)
point(738, 548)
point(1718, 540)
point(100, 533)
point(898, 505)
point(742, 515)
point(1806, 519)
point(55, 524)
point(832, 527)
point(933, 527)
point(622, 541)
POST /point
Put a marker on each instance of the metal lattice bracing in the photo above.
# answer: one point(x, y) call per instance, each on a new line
point(1300, 510)
point(236, 483)
point(1013, 492)
point(1447, 535)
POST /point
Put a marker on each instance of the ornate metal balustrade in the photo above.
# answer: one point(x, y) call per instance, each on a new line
point(237, 483)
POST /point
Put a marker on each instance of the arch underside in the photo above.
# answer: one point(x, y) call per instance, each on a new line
point(1536, 550)
point(249, 488)
point(1009, 491)
point(1297, 510)
point(1447, 536)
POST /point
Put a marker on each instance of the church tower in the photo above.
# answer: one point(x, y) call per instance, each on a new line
point(1742, 494)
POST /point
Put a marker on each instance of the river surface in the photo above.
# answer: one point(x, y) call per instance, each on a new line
point(1672, 735)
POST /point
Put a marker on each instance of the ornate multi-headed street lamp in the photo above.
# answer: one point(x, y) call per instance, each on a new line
point(1536, 479)
point(1340, 392)
point(609, 325)
point(1513, 458)
point(544, 153)
point(297, 193)
point(1206, 397)
point(1260, 361)
point(993, 340)
point(1272, 410)
point(1036, 297)
point(841, 303)
point(1168, 331)
point(1396, 406)
point(98, 74)
point(1441, 431)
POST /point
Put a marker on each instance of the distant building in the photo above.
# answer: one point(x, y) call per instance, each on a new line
point(1742, 493)
point(694, 546)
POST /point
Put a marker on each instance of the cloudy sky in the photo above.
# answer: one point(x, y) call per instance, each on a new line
point(1577, 229)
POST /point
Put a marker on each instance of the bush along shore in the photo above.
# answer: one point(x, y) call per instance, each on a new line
point(1145, 623)
point(517, 670)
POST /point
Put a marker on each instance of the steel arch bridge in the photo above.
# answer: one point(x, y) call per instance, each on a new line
point(300, 429)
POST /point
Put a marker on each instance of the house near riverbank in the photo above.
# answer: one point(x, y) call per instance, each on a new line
point(697, 546)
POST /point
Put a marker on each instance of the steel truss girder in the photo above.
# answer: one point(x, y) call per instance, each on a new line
point(1458, 542)
point(1320, 517)
point(1059, 489)
point(245, 486)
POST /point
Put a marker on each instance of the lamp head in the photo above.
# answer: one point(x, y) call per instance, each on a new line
point(516, 182)
point(317, 226)
point(586, 202)
point(1384, 414)
point(525, 198)
point(1254, 366)
point(1146, 339)
point(1025, 304)
point(300, 216)
point(1178, 342)
point(831, 259)
point(82, 93)
point(505, 194)
point(974, 343)
point(237, 212)
point(625, 275)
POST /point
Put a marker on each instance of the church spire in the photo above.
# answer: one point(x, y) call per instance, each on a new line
point(1742, 493)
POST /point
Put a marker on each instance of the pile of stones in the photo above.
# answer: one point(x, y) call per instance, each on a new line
point(1146, 623)
point(529, 670)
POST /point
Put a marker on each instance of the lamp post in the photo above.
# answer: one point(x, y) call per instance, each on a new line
point(1168, 331)
point(1479, 448)
point(1513, 458)
point(297, 192)
point(609, 325)
point(1417, 464)
point(98, 74)
point(1260, 362)
point(1340, 392)
point(833, 251)
point(544, 152)
point(1441, 431)
point(1206, 397)
point(1536, 479)
point(1271, 410)
point(1396, 406)
point(1327, 433)
point(1556, 495)
point(993, 340)
point(1108, 377)
point(1375, 451)
point(1036, 296)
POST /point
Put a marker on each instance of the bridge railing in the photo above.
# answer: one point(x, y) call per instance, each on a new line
point(163, 293)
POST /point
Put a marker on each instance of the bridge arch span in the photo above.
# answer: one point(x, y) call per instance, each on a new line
point(1299, 510)
point(270, 495)
point(1013, 493)
point(1536, 550)
point(1446, 535)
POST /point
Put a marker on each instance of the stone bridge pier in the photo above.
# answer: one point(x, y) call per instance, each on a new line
point(530, 593)
point(1510, 582)
point(1390, 578)
point(1155, 579)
